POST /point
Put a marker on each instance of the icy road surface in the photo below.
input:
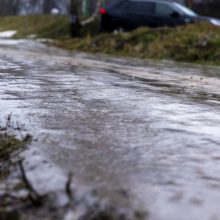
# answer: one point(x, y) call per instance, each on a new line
point(147, 129)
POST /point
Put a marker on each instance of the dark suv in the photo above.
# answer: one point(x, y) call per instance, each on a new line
point(131, 14)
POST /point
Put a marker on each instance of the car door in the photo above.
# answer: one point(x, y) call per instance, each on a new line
point(120, 17)
point(140, 13)
point(166, 15)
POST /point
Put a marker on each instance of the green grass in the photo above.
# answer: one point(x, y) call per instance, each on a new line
point(192, 43)
point(198, 43)
point(44, 26)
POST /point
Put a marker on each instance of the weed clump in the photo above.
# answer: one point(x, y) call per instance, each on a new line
point(10, 146)
point(9, 143)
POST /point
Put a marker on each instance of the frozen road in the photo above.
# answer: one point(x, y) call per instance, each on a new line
point(139, 134)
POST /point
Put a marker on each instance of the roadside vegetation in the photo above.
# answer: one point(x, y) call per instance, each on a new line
point(199, 43)
point(9, 144)
point(10, 148)
point(41, 26)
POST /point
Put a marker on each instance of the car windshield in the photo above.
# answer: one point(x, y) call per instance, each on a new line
point(185, 10)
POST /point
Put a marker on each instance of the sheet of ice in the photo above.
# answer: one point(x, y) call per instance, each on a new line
point(10, 42)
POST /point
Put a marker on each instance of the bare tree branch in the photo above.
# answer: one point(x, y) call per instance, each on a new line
point(34, 196)
point(93, 16)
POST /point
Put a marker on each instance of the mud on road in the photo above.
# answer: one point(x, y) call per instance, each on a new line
point(140, 135)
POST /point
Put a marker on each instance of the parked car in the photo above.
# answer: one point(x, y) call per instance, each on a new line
point(131, 14)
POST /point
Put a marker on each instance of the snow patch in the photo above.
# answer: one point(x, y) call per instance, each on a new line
point(7, 34)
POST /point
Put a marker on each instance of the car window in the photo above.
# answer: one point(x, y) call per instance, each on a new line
point(183, 10)
point(142, 7)
point(164, 9)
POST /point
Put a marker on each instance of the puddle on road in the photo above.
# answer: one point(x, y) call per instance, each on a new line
point(158, 139)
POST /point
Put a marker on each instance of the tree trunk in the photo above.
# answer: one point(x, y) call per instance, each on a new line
point(74, 18)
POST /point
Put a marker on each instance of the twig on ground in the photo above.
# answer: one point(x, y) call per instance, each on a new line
point(69, 191)
point(34, 196)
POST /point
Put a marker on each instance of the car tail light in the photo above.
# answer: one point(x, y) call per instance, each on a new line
point(102, 11)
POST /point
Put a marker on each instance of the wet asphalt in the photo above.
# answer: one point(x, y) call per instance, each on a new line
point(136, 133)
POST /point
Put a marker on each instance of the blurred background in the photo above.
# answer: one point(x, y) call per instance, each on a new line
point(27, 7)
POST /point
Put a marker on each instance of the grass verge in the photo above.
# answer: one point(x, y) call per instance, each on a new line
point(43, 26)
point(198, 43)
